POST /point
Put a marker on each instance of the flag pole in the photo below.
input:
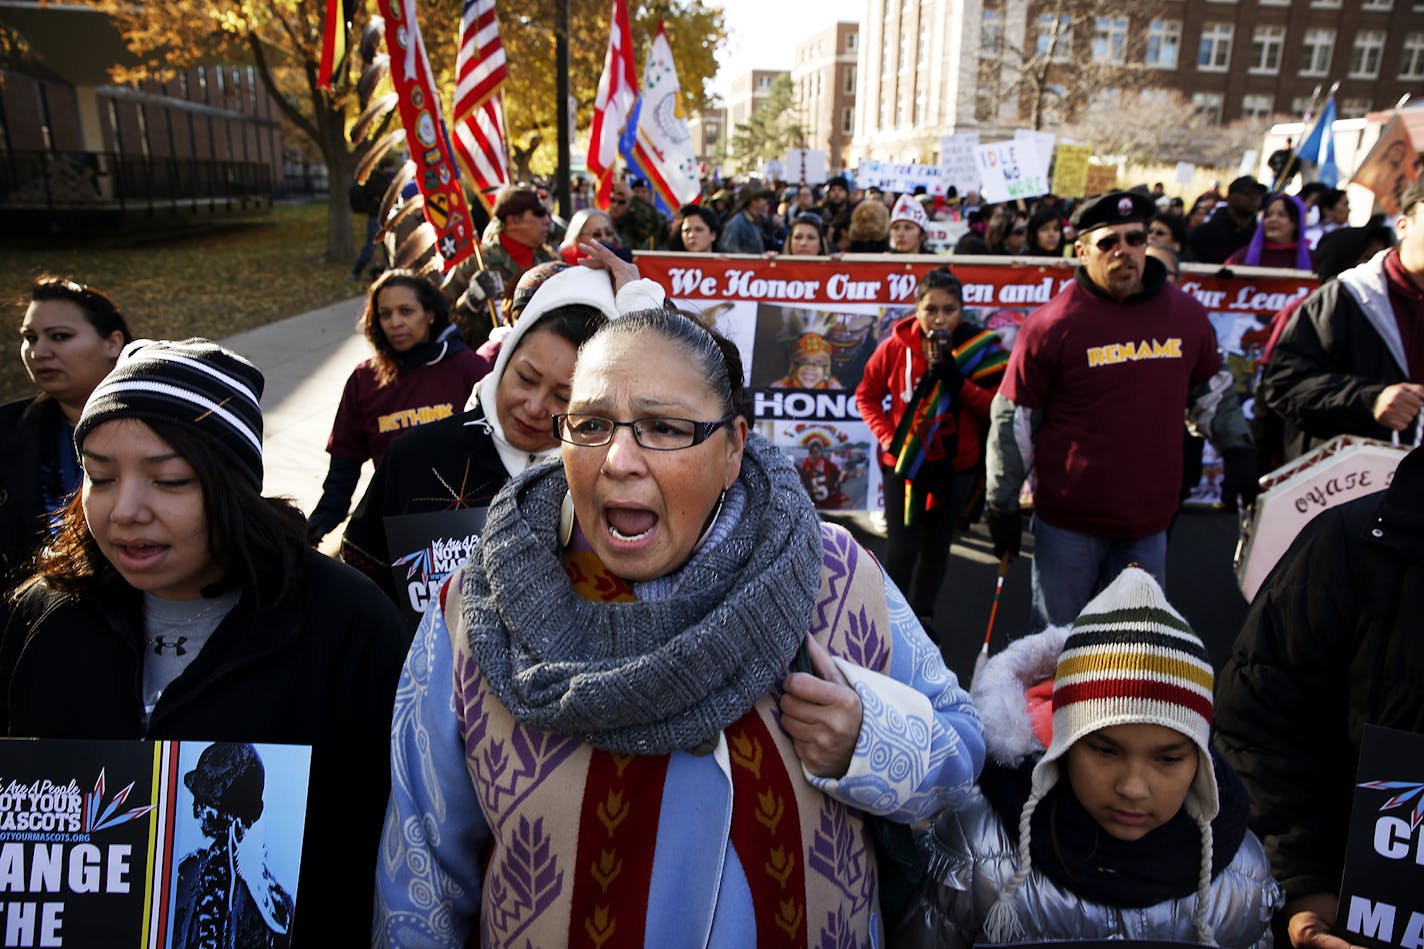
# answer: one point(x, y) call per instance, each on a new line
point(561, 95)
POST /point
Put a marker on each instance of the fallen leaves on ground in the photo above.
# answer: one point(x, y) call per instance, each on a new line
point(215, 283)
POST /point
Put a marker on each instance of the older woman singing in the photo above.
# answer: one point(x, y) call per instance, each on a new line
point(629, 757)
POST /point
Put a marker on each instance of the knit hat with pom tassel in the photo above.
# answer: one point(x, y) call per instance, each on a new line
point(1131, 659)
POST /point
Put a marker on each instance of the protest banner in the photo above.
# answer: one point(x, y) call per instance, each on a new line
point(427, 548)
point(116, 844)
point(1382, 890)
point(956, 157)
point(806, 327)
point(1070, 169)
point(1012, 170)
point(1101, 179)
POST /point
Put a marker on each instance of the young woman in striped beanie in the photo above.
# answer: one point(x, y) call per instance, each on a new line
point(1112, 820)
point(176, 602)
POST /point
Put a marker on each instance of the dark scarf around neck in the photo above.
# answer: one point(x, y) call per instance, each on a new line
point(1069, 847)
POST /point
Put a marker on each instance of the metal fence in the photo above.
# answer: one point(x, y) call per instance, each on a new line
point(127, 185)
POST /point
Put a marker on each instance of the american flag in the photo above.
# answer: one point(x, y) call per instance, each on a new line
point(617, 91)
point(479, 116)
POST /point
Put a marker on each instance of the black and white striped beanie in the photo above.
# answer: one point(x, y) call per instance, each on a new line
point(195, 382)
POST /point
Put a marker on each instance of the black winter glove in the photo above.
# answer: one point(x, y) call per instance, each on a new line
point(1239, 482)
point(950, 373)
point(1006, 531)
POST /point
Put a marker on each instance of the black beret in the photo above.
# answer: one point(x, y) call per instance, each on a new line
point(1115, 207)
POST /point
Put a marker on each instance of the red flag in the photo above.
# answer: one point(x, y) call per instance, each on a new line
point(478, 115)
point(333, 43)
point(445, 206)
point(616, 92)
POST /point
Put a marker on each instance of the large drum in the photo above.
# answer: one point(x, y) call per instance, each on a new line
point(1344, 468)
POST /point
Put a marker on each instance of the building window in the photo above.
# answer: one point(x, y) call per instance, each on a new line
point(763, 82)
point(848, 120)
point(1319, 46)
point(1325, 4)
point(1109, 40)
point(1377, 5)
point(1164, 43)
point(1301, 105)
point(1256, 106)
point(991, 33)
point(713, 130)
point(1266, 45)
point(1366, 54)
point(1411, 60)
point(1208, 106)
point(1354, 108)
point(1055, 34)
point(1215, 52)
point(850, 81)
point(850, 42)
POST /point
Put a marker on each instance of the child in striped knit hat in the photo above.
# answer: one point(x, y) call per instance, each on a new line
point(1115, 823)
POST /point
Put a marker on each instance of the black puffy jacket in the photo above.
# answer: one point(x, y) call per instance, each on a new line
point(318, 669)
point(1331, 362)
point(1332, 642)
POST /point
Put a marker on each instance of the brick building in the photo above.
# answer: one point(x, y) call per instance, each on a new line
point(824, 80)
point(928, 68)
point(72, 138)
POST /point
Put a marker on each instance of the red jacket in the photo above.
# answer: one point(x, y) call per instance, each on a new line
point(894, 369)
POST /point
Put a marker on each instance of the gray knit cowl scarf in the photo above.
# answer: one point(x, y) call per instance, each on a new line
point(646, 677)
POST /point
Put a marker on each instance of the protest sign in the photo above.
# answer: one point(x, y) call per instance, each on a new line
point(1012, 170)
point(1070, 170)
point(806, 327)
point(956, 158)
point(906, 176)
point(1382, 892)
point(116, 844)
point(806, 165)
point(1185, 171)
point(427, 548)
point(1101, 179)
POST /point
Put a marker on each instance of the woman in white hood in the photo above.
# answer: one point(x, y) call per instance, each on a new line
point(464, 460)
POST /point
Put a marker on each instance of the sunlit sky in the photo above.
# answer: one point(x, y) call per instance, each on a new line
point(764, 33)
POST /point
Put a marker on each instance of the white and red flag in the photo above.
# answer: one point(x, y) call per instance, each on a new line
point(616, 92)
point(663, 148)
point(478, 125)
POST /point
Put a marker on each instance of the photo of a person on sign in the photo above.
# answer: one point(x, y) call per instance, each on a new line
point(227, 896)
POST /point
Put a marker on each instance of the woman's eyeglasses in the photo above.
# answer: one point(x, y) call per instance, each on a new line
point(1107, 242)
point(659, 433)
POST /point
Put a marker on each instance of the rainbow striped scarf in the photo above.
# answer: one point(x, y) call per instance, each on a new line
point(925, 441)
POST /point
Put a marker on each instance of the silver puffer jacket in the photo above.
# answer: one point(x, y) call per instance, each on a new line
point(970, 857)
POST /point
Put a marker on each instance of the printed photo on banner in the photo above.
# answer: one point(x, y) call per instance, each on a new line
point(801, 347)
point(834, 460)
point(129, 844)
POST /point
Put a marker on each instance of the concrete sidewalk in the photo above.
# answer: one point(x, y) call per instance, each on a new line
point(306, 360)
